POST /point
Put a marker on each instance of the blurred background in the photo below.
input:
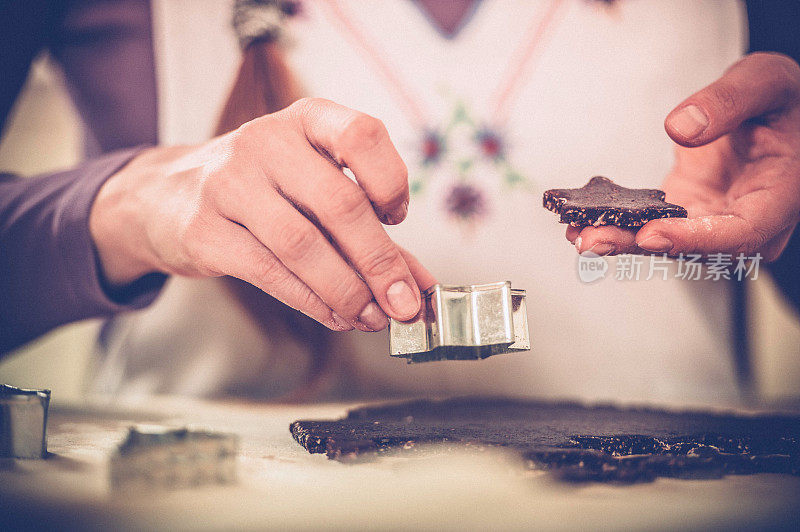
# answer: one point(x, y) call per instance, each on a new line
point(45, 134)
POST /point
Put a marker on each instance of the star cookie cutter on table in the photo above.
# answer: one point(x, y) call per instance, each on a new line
point(463, 323)
point(164, 457)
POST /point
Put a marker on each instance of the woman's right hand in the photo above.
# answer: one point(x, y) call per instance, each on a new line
point(270, 204)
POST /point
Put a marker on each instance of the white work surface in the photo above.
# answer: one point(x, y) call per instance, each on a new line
point(282, 486)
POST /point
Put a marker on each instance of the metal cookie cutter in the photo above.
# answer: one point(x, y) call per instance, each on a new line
point(23, 422)
point(156, 456)
point(463, 323)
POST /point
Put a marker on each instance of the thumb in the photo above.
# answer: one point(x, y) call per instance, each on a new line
point(758, 84)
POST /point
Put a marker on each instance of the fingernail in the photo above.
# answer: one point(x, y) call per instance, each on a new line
point(373, 317)
point(656, 243)
point(602, 248)
point(403, 300)
point(689, 121)
point(399, 216)
point(361, 327)
point(404, 209)
point(340, 322)
point(577, 243)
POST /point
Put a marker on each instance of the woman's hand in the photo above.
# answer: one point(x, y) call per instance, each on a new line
point(737, 169)
point(270, 204)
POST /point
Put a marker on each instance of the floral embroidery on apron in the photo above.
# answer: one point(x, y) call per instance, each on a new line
point(465, 201)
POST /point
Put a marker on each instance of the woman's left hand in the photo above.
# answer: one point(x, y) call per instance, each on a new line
point(737, 169)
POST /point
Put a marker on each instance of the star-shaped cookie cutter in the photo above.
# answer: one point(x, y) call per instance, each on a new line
point(463, 323)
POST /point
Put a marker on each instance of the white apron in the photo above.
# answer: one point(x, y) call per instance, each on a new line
point(528, 95)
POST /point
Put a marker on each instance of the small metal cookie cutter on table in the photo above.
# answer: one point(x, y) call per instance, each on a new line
point(158, 456)
point(463, 323)
point(23, 422)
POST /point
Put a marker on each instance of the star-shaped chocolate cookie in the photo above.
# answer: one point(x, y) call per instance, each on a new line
point(602, 202)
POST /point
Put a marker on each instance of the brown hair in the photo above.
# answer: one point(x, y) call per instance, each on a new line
point(265, 84)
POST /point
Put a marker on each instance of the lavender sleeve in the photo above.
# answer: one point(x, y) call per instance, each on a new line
point(49, 272)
